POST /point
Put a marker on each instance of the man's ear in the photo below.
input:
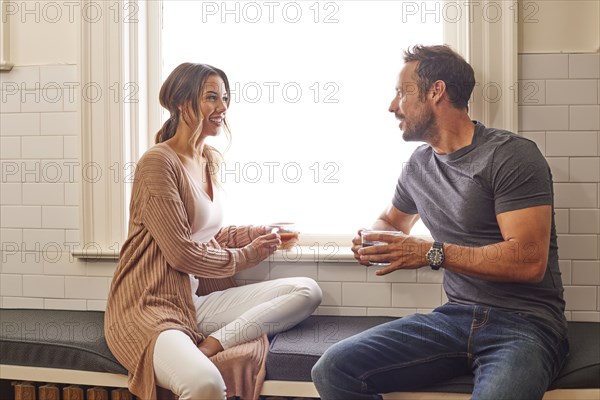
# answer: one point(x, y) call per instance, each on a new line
point(438, 90)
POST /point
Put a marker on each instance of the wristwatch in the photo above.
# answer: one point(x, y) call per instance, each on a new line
point(435, 255)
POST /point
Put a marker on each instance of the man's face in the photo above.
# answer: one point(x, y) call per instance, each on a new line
point(417, 120)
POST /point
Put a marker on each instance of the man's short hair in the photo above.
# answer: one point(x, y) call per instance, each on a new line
point(444, 64)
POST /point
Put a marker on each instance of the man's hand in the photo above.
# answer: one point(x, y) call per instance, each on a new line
point(357, 245)
point(401, 251)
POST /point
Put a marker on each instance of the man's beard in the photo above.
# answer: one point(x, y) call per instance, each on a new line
point(423, 129)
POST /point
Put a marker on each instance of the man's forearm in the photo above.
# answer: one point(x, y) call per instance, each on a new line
point(508, 261)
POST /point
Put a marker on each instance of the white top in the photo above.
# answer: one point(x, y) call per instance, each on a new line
point(206, 222)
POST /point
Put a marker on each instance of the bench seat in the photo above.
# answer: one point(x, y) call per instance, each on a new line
point(69, 347)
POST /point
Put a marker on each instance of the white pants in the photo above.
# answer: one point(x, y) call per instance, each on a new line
point(232, 316)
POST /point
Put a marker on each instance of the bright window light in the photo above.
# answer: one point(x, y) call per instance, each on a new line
point(313, 141)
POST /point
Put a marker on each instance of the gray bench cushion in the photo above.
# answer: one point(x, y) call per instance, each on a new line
point(582, 369)
point(75, 340)
point(56, 339)
point(293, 353)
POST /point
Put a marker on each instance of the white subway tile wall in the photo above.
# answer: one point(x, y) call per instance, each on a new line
point(561, 219)
point(532, 92)
point(416, 295)
point(56, 263)
point(44, 286)
point(62, 123)
point(10, 193)
point(585, 221)
point(586, 272)
point(535, 118)
point(332, 293)
point(586, 316)
point(11, 285)
point(584, 118)
point(571, 91)
point(65, 304)
point(571, 82)
point(584, 169)
point(367, 294)
point(350, 273)
point(565, 267)
point(11, 147)
point(354, 311)
point(582, 66)
point(544, 66)
point(571, 143)
point(559, 109)
point(291, 269)
point(96, 305)
point(581, 298)
point(20, 124)
point(560, 168)
point(578, 247)
point(575, 195)
point(538, 137)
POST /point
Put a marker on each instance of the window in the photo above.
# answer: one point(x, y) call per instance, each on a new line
point(338, 143)
point(311, 83)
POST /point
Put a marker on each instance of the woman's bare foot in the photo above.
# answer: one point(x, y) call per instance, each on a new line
point(210, 346)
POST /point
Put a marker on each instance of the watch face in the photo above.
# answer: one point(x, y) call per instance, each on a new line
point(435, 256)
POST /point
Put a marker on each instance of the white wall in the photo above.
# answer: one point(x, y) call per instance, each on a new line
point(40, 133)
point(560, 110)
point(559, 26)
point(45, 31)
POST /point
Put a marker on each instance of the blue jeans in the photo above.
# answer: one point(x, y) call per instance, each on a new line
point(510, 356)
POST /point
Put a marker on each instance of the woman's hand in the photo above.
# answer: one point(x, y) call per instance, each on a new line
point(263, 246)
point(262, 229)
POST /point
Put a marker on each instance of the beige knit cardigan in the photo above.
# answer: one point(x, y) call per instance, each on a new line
point(151, 290)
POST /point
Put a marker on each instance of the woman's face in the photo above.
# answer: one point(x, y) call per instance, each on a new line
point(213, 105)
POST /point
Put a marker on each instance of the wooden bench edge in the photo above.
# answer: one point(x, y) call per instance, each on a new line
point(270, 388)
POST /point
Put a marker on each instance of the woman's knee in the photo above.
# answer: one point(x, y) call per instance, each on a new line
point(180, 367)
point(310, 290)
point(209, 387)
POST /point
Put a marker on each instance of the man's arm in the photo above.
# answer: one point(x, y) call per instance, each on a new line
point(392, 219)
point(521, 257)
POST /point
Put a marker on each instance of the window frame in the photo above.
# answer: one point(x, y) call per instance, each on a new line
point(129, 55)
point(5, 63)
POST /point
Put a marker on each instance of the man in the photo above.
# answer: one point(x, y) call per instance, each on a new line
point(486, 197)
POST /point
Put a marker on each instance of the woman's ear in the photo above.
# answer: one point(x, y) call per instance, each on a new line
point(187, 114)
point(183, 113)
point(183, 108)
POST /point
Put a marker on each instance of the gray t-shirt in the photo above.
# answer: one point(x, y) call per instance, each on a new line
point(458, 196)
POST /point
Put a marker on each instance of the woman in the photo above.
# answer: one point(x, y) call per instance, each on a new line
point(172, 303)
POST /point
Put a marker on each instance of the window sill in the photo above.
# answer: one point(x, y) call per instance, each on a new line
point(331, 252)
point(96, 254)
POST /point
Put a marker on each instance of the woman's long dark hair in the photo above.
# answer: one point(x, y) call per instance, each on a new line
point(184, 87)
